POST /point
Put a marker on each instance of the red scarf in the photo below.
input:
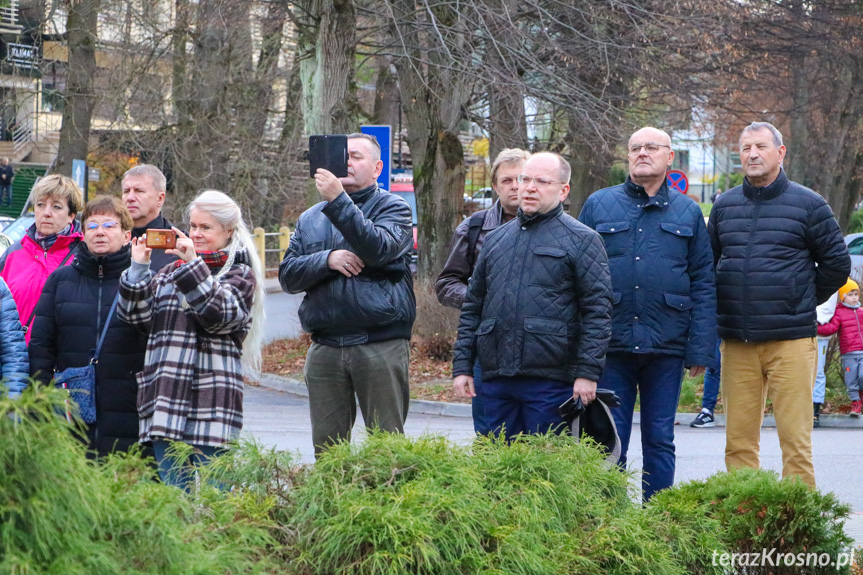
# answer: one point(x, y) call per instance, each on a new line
point(214, 260)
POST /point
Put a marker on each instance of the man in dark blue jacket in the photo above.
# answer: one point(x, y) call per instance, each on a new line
point(779, 253)
point(351, 255)
point(537, 311)
point(664, 315)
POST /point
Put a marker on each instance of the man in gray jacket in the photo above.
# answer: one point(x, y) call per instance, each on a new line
point(451, 285)
point(350, 254)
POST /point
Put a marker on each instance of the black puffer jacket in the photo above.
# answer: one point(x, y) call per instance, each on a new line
point(378, 304)
point(69, 318)
point(539, 302)
point(766, 242)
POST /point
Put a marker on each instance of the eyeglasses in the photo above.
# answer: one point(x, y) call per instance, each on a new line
point(540, 182)
point(650, 148)
point(109, 225)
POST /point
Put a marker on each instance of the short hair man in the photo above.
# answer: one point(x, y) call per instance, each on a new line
point(664, 298)
point(466, 243)
point(7, 174)
point(143, 195)
point(538, 308)
point(350, 254)
point(779, 253)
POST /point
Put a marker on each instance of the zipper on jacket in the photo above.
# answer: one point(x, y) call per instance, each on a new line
point(746, 261)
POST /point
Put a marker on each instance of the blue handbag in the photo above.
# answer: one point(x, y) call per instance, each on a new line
point(81, 381)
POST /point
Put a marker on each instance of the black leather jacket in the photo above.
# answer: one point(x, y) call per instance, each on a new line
point(538, 303)
point(377, 305)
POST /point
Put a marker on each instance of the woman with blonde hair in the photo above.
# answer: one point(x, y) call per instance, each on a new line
point(204, 314)
point(50, 243)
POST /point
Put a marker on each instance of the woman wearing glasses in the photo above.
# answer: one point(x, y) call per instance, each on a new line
point(75, 306)
point(204, 314)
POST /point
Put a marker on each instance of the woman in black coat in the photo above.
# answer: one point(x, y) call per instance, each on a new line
point(71, 314)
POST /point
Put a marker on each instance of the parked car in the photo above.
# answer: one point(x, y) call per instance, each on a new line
point(480, 199)
point(855, 248)
point(405, 190)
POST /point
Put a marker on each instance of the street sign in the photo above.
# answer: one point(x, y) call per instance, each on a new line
point(677, 181)
point(93, 175)
point(384, 134)
point(79, 173)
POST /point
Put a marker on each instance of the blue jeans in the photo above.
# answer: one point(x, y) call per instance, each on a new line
point(524, 405)
point(657, 378)
point(820, 378)
point(711, 383)
point(480, 424)
point(181, 473)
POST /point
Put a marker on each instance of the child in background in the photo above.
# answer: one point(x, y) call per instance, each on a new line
point(848, 322)
point(824, 313)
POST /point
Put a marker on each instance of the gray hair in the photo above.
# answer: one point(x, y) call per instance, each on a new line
point(376, 146)
point(226, 211)
point(154, 173)
point(755, 126)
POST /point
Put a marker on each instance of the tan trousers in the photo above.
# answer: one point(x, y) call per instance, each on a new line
point(784, 371)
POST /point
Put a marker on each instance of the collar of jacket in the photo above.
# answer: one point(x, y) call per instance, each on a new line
point(525, 220)
point(360, 197)
point(633, 190)
point(160, 223)
point(112, 264)
point(769, 191)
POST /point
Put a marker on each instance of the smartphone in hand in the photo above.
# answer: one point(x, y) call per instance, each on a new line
point(161, 239)
point(330, 152)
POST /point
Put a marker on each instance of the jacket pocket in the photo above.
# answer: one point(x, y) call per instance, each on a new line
point(548, 269)
point(617, 295)
point(486, 346)
point(147, 392)
point(679, 302)
point(616, 242)
point(207, 397)
point(545, 343)
point(674, 243)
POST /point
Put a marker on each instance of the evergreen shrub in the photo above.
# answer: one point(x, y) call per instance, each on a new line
point(758, 513)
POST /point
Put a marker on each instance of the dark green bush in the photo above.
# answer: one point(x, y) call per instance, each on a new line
point(759, 512)
point(62, 513)
point(541, 505)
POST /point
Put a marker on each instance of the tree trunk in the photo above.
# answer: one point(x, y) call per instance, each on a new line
point(434, 93)
point(81, 34)
point(386, 112)
point(328, 43)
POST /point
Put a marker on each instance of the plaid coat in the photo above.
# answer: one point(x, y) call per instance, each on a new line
point(191, 388)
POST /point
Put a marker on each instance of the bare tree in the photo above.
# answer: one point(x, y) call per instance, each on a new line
point(81, 37)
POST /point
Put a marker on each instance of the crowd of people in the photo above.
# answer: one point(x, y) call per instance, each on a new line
point(168, 332)
point(622, 299)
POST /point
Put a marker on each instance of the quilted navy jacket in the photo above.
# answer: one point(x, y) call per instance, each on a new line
point(766, 242)
point(538, 303)
point(661, 272)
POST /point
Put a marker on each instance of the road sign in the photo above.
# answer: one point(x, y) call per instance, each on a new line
point(93, 175)
point(79, 173)
point(384, 134)
point(677, 181)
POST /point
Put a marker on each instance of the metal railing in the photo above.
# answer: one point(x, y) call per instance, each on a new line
point(9, 18)
point(21, 136)
point(261, 241)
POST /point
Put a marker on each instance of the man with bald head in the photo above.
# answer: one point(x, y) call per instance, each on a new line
point(664, 317)
point(537, 312)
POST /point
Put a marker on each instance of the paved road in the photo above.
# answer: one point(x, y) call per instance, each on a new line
point(282, 420)
point(281, 313)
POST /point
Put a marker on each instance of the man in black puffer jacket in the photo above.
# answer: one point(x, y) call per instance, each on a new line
point(768, 235)
point(538, 311)
point(351, 255)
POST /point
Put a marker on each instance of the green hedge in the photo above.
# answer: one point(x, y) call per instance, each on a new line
point(391, 505)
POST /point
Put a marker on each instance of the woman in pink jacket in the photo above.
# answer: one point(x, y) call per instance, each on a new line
point(49, 243)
